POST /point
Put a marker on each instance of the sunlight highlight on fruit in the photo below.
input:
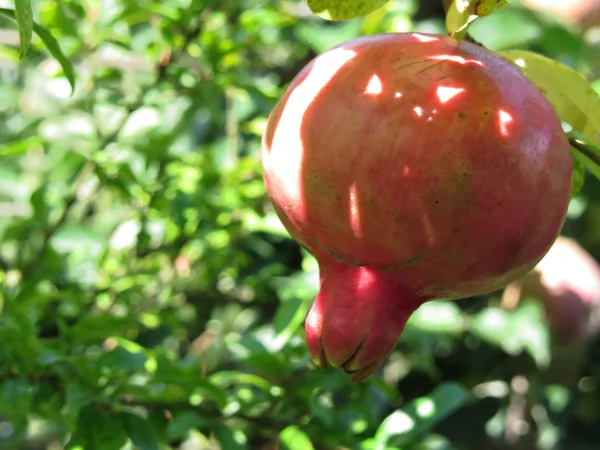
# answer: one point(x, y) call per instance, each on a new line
point(374, 86)
point(447, 93)
point(504, 120)
point(354, 211)
point(456, 59)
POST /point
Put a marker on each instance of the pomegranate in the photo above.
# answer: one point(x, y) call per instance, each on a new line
point(567, 282)
point(412, 167)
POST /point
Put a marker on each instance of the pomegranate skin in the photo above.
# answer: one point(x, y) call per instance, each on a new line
point(412, 167)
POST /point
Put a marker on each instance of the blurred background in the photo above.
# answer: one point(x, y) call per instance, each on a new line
point(150, 298)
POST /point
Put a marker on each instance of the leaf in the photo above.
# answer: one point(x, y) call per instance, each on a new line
point(97, 429)
point(51, 44)
point(344, 9)
point(16, 395)
point(578, 177)
point(140, 431)
point(573, 98)
point(420, 415)
point(93, 328)
point(533, 332)
point(293, 438)
point(438, 316)
point(230, 439)
point(20, 146)
point(24, 17)
point(462, 13)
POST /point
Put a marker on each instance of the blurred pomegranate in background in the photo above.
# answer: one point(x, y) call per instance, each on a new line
point(584, 13)
point(567, 282)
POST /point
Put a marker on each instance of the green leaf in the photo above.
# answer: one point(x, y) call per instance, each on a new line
point(140, 431)
point(344, 9)
point(230, 439)
point(20, 146)
point(462, 13)
point(97, 429)
point(92, 328)
point(51, 44)
point(458, 19)
point(532, 331)
point(16, 395)
point(572, 96)
point(438, 316)
point(418, 417)
point(24, 17)
point(293, 438)
point(578, 177)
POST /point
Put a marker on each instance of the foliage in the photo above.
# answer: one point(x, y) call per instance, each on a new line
point(151, 299)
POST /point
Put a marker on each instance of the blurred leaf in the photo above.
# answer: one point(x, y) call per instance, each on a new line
point(438, 316)
point(52, 46)
point(230, 438)
point(20, 146)
point(24, 16)
point(16, 395)
point(571, 95)
point(420, 415)
point(344, 9)
point(97, 429)
point(140, 431)
point(92, 328)
point(497, 327)
point(320, 39)
point(532, 331)
point(506, 28)
point(578, 173)
point(293, 438)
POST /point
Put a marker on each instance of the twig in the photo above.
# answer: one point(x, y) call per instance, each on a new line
point(581, 148)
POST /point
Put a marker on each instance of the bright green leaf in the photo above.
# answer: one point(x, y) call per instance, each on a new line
point(344, 9)
point(51, 44)
point(293, 438)
point(24, 16)
point(571, 95)
point(20, 146)
point(438, 316)
point(532, 331)
point(462, 13)
point(419, 417)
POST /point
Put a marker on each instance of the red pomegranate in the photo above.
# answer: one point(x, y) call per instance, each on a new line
point(413, 167)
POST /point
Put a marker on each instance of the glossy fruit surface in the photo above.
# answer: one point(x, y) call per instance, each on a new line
point(412, 167)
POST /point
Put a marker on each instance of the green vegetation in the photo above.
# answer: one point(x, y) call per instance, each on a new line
point(151, 299)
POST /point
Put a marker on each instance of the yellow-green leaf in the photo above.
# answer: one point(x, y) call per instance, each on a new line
point(344, 9)
point(484, 8)
point(24, 17)
point(462, 13)
point(573, 98)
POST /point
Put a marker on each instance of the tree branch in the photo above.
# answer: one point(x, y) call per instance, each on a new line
point(581, 148)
